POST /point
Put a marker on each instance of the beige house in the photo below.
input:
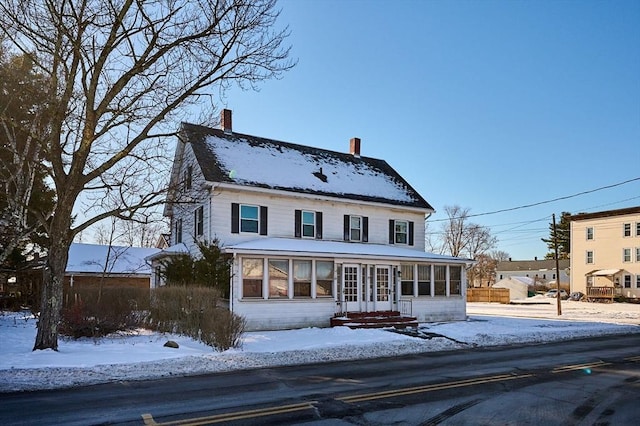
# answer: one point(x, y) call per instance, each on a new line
point(605, 253)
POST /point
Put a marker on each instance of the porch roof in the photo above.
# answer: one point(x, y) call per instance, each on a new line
point(604, 272)
point(336, 249)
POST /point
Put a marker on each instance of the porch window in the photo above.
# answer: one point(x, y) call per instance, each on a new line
point(278, 278)
point(440, 279)
point(589, 256)
point(406, 280)
point(401, 231)
point(301, 278)
point(626, 255)
point(324, 278)
point(424, 280)
point(252, 272)
point(455, 280)
point(590, 233)
point(627, 281)
point(626, 229)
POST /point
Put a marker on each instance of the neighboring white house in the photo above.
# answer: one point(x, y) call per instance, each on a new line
point(312, 232)
point(542, 271)
point(518, 286)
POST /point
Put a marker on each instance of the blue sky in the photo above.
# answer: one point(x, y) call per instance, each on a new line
point(488, 105)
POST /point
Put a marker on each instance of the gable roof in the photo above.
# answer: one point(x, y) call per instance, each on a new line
point(531, 265)
point(253, 161)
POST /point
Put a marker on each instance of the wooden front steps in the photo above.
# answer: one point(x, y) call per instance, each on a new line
point(378, 319)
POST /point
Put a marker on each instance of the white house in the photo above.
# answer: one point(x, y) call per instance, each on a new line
point(312, 232)
point(518, 286)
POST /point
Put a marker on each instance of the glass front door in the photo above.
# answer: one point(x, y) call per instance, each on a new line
point(383, 288)
point(351, 288)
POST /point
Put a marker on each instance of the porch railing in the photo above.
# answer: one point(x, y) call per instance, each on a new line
point(600, 293)
point(405, 307)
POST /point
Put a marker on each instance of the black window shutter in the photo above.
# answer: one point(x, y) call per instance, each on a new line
point(263, 220)
point(346, 227)
point(235, 218)
point(410, 233)
point(298, 224)
point(365, 229)
point(391, 231)
point(318, 225)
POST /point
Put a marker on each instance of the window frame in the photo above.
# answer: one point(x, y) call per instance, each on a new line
point(407, 281)
point(356, 229)
point(626, 229)
point(178, 230)
point(198, 221)
point(589, 256)
point(243, 220)
point(298, 282)
point(397, 233)
point(626, 255)
point(258, 282)
point(305, 225)
point(590, 233)
point(626, 281)
point(324, 280)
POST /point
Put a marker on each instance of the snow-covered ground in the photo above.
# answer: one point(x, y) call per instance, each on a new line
point(142, 355)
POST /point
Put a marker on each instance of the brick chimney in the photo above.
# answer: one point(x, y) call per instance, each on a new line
point(354, 147)
point(225, 121)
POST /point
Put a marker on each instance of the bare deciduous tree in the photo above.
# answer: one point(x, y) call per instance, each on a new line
point(121, 74)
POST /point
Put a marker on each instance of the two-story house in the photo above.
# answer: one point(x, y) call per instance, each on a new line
point(605, 253)
point(312, 232)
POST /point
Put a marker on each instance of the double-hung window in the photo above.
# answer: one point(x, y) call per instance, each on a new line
point(589, 257)
point(301, 278)
point(252, 273)
point(324, 278)
point(424, 280)
point(626, 255)
point(637, 229)
point(590, 233)
point(627, 281)
point(199, 221)
point(401, 232)
point(308, 224)
point(249, 218)
point(440, 280)
point(188, 177)
point(278, 278)
point(355, 228)
point(178, 230)
point(455, 280)
point(626, 229)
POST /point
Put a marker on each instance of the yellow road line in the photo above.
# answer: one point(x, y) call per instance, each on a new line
point(579, 366)
point(431, 388)
point(237, 415)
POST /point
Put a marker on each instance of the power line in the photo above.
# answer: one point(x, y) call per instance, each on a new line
point(542, 202)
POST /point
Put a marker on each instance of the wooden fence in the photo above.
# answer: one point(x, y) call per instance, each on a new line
point(488, 294)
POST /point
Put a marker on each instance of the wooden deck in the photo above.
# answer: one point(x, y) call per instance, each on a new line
point(379, 319)
point(600, 294)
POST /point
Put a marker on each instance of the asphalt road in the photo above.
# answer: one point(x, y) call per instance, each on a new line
point(580, 382)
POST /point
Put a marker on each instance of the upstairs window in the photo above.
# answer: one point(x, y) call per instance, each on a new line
point(637, 254)
point(188, 177)
point(356, 228)
point(626, 229)
point(178, 230)
point(308, 224)
point(400, 232)
point(590, 233)
point(626, 255)
point(199, 221)
point(589, 257)
point(637, 229)
point(248, 219)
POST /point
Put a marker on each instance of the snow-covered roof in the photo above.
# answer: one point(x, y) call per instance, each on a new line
point(259, 162)
point(180, 248)
point(319, 248)
point(524, 280)
point(94, 258)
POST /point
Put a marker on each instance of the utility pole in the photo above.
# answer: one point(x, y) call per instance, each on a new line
point(555, 247)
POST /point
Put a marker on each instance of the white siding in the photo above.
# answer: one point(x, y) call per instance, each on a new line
point(281, 210)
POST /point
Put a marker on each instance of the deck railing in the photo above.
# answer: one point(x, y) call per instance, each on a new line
point(600, 293)
point(405, 307)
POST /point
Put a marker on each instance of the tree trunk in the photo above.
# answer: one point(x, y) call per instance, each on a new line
point(52, 286)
